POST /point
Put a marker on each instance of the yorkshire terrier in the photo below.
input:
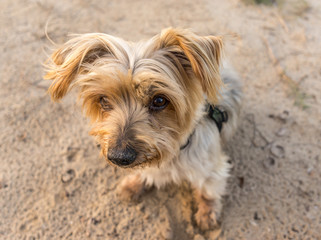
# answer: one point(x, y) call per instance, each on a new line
point(162, 107)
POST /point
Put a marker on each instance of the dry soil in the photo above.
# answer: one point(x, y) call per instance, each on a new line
point(53, 185)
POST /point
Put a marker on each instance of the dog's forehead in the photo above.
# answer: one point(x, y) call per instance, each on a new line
point(142, 69)
point(143, 85)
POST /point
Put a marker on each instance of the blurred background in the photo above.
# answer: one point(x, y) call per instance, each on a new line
point(53, 183)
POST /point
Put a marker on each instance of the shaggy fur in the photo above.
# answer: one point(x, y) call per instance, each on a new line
point(177, 65)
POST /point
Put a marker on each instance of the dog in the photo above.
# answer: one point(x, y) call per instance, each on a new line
point(162, 107)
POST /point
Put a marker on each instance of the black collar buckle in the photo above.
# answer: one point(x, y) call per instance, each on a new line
point(219, 116)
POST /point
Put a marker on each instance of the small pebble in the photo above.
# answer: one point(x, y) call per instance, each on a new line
point(3, 185)
point(284, 115)
point(268, 162)
point(277, 151)
point(311, 171)
point(282, 132)
point(241, 182)
point(95, 221)
point(253, 223)
point(68, 176)
point(256, 216)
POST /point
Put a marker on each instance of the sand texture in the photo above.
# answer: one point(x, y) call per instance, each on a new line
point(53, 185)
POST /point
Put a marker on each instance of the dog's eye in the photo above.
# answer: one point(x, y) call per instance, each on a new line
point(159, 102)
point(104, 103)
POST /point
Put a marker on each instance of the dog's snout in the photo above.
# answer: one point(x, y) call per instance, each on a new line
point(122, 156)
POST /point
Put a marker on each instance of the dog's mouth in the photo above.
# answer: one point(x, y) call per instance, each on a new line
point(126, 164)
point(123, 163)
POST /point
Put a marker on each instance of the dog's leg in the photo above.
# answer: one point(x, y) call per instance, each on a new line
point(208, 211)
point(131, 188)
point(208, 197)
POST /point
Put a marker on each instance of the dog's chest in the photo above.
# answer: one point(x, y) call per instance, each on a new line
point(195, 162)
point(172, 171)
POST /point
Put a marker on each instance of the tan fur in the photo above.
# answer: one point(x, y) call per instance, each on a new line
point(131, 188)
point(176, 64)
point(207, 211)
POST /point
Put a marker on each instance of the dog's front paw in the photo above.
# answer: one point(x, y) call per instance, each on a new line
point(131, 188)
point(208, 211)
point(206, 218)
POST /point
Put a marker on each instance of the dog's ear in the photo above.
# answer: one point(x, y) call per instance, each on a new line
point(69, 60)
point(203, 54)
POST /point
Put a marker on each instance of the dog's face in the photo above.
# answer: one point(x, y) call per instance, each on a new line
point(143, 98)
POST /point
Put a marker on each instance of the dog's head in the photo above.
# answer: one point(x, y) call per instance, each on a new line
point(143, 98)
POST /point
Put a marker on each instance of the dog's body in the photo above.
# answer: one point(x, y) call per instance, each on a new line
point(202, 162)
point(148, 103)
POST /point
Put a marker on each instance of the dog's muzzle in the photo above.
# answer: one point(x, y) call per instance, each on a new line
point(122, 156)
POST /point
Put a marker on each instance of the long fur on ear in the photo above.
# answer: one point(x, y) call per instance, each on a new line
point(204, 54)
point(68, 61)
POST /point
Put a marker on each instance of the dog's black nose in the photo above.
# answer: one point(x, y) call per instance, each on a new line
point(122, 156)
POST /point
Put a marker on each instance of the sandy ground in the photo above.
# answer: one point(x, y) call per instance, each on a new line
point(53, 183)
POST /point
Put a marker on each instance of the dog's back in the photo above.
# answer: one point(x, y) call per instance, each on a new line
point(231, 97)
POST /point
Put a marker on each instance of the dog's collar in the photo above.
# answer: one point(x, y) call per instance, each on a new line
point(215, 113)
